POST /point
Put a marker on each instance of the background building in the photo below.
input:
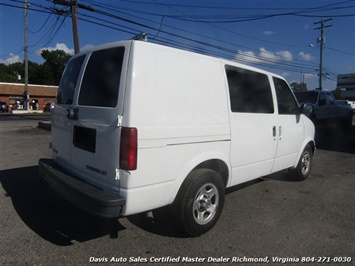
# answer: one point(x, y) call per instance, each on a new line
point(346, 84)
point(40, 95)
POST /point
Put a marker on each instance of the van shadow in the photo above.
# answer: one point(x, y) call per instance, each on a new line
point(158, 222)
point(48, 214)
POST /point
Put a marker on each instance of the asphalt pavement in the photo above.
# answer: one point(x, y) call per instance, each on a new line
point(271, 220)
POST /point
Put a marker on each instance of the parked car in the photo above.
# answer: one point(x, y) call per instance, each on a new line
point(138, 126)
point(48, 107)
point(352, 104)
point(324, 110)
point(4, 107)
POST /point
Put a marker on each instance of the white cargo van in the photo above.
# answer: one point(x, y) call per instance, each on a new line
point(138, 126)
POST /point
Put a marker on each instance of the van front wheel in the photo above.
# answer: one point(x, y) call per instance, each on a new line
point(199, 202)
point(303, 169)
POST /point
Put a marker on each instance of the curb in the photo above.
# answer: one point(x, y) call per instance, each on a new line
point(45, 125)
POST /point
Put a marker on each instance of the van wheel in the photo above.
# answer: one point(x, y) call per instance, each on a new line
point(199, 202)
point(303, 169)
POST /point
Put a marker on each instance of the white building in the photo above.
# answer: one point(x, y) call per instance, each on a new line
point(346, 82)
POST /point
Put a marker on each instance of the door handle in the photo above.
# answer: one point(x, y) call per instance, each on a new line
point(274, 131)
point(73, 113)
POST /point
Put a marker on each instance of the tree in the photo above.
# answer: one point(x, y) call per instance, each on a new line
point(10, 73)
point(48, 73)
point(295, 86)
point(34, 73)
point(53, 66)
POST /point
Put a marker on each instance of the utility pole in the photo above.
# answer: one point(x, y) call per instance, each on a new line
point(321, 40)
point(75, 26)
point(73, 4)
point(26, 94)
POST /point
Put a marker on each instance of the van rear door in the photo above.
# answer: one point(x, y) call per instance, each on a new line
point(87, 134)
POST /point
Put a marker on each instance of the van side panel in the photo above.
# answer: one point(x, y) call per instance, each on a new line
point(177, 100)
point(166, 166)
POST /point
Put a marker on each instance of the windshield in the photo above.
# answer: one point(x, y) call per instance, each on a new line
point(307, 97)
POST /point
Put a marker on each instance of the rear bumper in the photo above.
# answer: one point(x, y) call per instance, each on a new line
point(87, 197)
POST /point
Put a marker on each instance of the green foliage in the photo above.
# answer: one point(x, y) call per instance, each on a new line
point(295, 86)
point(48, 73)
point(10, 73)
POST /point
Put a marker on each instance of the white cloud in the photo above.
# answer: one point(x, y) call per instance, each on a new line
point(12, 58)
point(310, 76)
point(86, 47)
point(284, 56)
point(264, 56)
point(269, 32)
point(304, 56)
point(247, 56)
point(58, 46)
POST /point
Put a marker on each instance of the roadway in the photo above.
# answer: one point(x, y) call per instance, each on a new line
point(271, 217)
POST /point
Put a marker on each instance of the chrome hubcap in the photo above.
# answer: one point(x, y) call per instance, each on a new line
point(205, 204)
point(305, 163)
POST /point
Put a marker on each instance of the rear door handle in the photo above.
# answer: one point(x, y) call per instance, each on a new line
point(73, 113)
point(274, 131)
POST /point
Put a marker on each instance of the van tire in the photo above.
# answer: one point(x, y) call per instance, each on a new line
point(303, 169)
point(199, 202)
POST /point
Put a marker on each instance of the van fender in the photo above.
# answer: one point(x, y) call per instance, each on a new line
point(307, 141)
point(199, 160)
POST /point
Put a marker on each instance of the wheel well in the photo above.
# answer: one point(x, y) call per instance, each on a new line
point(218, 166)
point(313, 147)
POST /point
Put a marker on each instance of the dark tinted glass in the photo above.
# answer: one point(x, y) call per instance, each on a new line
point(102, 76)
point(286, 102)
point(68, 81)
point(249, 91)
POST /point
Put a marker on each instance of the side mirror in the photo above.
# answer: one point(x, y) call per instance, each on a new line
point(299, 110)
point(307, 109)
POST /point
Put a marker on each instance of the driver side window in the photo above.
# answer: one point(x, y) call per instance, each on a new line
point(322, 99)
point(287, 103)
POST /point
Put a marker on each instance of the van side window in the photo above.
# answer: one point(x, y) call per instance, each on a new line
point(286, 102)
point(102, 77)
point(68, 81)
point(249, 91)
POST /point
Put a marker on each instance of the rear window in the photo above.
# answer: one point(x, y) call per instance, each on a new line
point(101, 80)
point(68, 81)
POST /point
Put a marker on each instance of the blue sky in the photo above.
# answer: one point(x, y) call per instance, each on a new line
point(275, 35)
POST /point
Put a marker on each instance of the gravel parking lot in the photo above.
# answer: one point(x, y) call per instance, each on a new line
point(271, 220)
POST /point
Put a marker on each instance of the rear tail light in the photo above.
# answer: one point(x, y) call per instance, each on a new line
point(128, 148)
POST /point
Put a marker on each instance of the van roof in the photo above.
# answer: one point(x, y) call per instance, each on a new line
point(143, 43)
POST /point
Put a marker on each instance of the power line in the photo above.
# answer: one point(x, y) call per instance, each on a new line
point(224, 49)
point(184, 41)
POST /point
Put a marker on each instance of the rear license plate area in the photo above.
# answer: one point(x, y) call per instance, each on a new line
point(84, 138)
